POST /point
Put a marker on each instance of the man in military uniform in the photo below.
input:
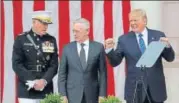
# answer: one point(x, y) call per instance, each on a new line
point(35, 60)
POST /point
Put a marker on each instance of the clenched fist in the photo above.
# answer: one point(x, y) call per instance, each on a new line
point(109, 43)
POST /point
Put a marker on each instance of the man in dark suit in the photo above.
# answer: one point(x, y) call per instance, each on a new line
point(35, 60)
point(82, 73)
point(131, 46)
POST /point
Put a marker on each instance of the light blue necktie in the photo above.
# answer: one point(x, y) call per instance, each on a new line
point(141, 43)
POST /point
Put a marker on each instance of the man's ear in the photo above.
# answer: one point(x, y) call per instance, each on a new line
point(88, 31)
point(145, 20)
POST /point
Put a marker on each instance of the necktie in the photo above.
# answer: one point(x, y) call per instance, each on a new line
point(83, 56)
point(141, 43)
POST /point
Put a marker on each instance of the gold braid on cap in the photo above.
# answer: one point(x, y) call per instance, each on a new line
point(44, 19)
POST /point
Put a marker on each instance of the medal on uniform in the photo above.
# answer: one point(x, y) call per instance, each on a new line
point(48, 47)
point(48, 57)
point(28, 44)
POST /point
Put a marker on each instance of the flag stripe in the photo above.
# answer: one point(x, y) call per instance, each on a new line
point(27, 9)
point(117, 20)
point(39, 5)
point(108, 24)
point(17, 14)
point(74, 13)
point(87, 12)
point(9, 76)
point(108, 33)
point(2, 49)
point(98, 21)
point(119, 75)
point(125, 10)
point(64, 36)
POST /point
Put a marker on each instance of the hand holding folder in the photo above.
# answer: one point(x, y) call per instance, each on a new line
point(151, 54)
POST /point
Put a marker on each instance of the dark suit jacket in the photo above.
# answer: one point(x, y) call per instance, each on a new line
point(74, 80)
point(25, 59)
point(154, 77)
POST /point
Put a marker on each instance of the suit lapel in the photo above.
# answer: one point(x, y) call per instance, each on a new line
point(76, 56)
point(135, 50)
point(90, 53)
point(150, 36)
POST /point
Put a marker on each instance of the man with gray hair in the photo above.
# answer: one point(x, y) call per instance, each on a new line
point(131, 47)
point(82, 76)
point(35, 60)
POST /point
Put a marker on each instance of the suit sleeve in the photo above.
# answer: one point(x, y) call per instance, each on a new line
point(62, 74)
point(168, 53)
point(18, 61)
point(103, 74)
point(52, 69)
point(115, 56)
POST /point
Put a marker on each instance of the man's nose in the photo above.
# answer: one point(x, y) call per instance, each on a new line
point(132, 22)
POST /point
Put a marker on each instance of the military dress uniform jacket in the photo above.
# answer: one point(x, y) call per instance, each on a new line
point(28, 64)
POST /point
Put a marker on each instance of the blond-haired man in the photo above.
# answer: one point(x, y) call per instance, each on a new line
point(131, 47)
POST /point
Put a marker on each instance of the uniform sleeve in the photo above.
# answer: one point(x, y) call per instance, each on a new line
point(18, 61)
point(53, 65)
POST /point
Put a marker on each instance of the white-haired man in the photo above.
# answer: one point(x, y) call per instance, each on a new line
point(82, 72)
point(35, 60)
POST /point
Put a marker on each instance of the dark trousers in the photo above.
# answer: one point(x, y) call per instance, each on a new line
point(146, 100)
point(83, 99)
point(138, 98)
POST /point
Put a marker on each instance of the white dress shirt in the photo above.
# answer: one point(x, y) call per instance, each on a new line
point(86, 48)
point(145, 36)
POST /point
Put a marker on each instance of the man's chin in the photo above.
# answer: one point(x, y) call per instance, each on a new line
point(42, 33)
point(76, 39)
point(135, 30)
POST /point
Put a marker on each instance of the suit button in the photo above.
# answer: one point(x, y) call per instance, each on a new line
point(37, 61)
point(37, 46)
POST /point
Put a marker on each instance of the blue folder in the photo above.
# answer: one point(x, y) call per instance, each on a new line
point(151, 54)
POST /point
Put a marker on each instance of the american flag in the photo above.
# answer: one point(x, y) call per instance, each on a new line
point(109, 19)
